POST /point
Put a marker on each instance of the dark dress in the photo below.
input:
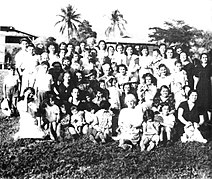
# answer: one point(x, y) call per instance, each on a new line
point(189, 115)
point(189, 68)
point(204, 86)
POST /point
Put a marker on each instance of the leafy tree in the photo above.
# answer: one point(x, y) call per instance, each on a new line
point(69, 18)
point(117, 22)
point(85, 31)
point(176, 33)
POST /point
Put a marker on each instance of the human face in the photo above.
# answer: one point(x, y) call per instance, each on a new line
point(79, 76)
point(70, 48)
point(204, 58)
point(178, 50)
point(144, 52)
point(130, 103)
point(148, 80)
point(164, 92)
point(169, 53)
point(178, 67)
point(102, 85)
point(162, 49)
point(51, 49)
point(193, 97)
point(66, 63)
point(183, 57)
point(75, 58)
point(163, 71)
point(24, 45)
point(45, 57)
point(75, 93)
point(127, 88)
point(111, 51)
point(165, 110)
point(102, 45)
point(122, 70)
point(129, 50)
point(30, 50)
point(119, 49)
point(66, 77)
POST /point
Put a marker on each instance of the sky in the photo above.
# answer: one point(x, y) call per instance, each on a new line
point(38, 17)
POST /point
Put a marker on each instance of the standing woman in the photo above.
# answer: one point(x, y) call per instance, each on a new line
point(202, 84)
point(188, 67)
point(129, 52)
point(101, 51)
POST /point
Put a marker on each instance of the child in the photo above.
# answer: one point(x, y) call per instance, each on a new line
point(150, 137)
point(179, 94)
point(167, 122)
point(192, 133)
point(104, 116)
point(178, 76)
point(51, 117)
point(79, 125)
point(65, 121)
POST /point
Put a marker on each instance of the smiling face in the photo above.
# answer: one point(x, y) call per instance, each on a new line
point(129, 50)
point(164, 92)
point(193, 97)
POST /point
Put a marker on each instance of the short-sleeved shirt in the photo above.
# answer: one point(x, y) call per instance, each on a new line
point(190, 115)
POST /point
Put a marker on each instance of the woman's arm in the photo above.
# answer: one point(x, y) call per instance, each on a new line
point(180, 116)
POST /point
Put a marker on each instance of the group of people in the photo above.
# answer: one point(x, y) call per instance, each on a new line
point(109, 92)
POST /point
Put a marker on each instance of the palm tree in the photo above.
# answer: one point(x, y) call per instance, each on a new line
point(68, 19)
point(117, 21)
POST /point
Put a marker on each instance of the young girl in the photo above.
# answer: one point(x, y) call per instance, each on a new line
point(150, 137)
point(167, 123)
point(178, 76)
point(51, 117)
point(104, 116)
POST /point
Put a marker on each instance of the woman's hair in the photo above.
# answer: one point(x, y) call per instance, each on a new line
point(110, 46)
point(119, 45)
point(153, 79)
point(164, 104)
point(148, 114)
point(31, 89)
point(104, 43)
point(166, 87)
point(122, 65)
point(192, 91)
point(157, 50)
point(128, 46)
point(144, 47)
point(45, 63)
point(104, 105)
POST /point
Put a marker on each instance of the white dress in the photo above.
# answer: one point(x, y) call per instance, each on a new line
point(28, 128)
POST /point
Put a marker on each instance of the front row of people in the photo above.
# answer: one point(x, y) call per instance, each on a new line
point(137, 124)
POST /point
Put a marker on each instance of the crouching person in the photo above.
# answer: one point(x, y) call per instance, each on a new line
point(129, 124)
point(150, 137)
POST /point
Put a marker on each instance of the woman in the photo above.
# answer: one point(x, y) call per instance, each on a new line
point(129, 55)
point(188, 67)
point(29, 125)
point(163, 96)
point(189, 112)
point(129, 123)
point(203, 74)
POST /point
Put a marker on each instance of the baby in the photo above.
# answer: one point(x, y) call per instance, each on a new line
point(192, 133)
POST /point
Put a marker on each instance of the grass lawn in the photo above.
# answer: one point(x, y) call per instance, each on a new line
point(35, 159)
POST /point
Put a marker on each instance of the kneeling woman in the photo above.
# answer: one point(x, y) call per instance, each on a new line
point(29, 127)
point(189, 113)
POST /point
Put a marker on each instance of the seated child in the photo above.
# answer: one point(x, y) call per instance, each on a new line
point(150, 137)
point(65, 121)
point(104, 116)
point(78, 124)
point(192, 133)
point(51, 117)
point(167, 122)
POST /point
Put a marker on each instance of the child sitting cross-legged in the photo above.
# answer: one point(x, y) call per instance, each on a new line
point(150, 137)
